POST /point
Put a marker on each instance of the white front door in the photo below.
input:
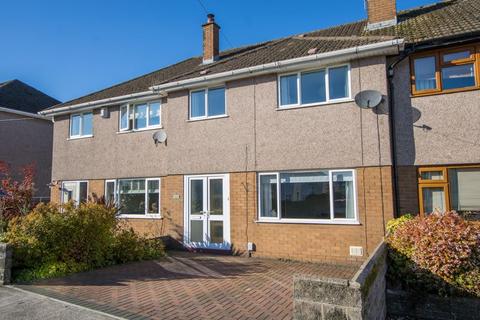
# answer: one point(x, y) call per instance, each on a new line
point(207, 212)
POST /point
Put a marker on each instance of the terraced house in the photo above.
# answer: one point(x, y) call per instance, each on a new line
point(264, 150)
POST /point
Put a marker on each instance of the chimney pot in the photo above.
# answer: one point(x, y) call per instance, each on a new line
point(210, 40)
point(381, 13)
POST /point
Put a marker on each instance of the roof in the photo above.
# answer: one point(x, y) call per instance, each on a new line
point(426, 23)
point(16, 95)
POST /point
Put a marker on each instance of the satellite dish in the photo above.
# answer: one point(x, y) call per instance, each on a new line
point(159, 136)
point(368, 99)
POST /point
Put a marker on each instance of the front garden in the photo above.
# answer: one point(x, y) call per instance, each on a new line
point(50, 240)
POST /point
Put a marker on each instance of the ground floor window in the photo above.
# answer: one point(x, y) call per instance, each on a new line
point(449, 188)
point(135, 197)
point(320, 196)
point(76, 191)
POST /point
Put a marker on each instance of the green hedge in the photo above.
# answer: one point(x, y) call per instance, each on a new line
point(57, 240)
point(439, 254)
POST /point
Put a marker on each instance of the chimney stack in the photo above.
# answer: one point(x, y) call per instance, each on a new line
point(210, 40)
point(381, 14)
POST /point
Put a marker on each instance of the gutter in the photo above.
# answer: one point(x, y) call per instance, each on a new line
point(98, 103)
point(390, 47)
point(24, 113)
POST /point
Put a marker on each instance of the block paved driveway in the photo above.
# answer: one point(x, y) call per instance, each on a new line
point(190, 286)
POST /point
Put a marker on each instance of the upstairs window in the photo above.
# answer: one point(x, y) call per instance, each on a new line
point(207, 103)
point(314, 87)
point(81, 125)
point(140, 116)
point(446, 70)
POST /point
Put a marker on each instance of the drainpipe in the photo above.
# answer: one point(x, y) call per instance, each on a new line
point(391, 112)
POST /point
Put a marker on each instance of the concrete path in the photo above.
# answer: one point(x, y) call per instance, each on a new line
point(19, 304)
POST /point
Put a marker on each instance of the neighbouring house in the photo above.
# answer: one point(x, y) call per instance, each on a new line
point(26, 137)
point(263, 150)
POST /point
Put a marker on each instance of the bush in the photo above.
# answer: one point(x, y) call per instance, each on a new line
point(393, 224)
point(56, 240)
point(438, 254)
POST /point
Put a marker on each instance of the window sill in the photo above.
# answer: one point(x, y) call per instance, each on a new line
point(140, 130)
point(306, 221)
point(208, 118)
point(426, 93)
point(299, 106)
point(80, 137)
point(140, 216)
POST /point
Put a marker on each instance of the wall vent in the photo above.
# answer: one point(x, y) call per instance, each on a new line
point(356, 251)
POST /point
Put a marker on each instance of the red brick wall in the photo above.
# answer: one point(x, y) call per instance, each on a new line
point(311, 242)
point(314, 242)
point(407, 184)
point(381, 10)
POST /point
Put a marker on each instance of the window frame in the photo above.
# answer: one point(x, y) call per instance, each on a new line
point(115, 195)
point(327, 101)
point(445, 183)
point(440, 65)
point(145, 215)
point(81, 135)
point(206, 116)
point(77, 201)
point(332, 220)
point(131, 109)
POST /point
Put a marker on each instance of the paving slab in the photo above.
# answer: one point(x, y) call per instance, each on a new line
point(187, 285)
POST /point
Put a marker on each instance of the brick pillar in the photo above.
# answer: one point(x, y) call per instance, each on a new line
point(5, 263)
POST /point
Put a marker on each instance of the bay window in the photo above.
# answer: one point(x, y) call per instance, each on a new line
point(81, 125)
point(323, 196)
point(207, 103)
point(140, 116)
point(445, 70)
point(314, 87)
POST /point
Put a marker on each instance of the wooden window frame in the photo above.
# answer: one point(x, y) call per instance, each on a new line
point(440, 64)
point(445, 182)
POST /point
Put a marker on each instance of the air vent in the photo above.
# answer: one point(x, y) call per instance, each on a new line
point(356, 251)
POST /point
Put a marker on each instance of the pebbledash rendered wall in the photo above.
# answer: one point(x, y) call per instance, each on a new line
point(310, 242)
point(255, 137)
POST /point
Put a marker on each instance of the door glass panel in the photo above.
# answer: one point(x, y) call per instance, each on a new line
point(432, 175)
point(216, 196)
point(196, 230)
point(69, 190)
point(433, 199)
point(216, 231)
point(196, 196)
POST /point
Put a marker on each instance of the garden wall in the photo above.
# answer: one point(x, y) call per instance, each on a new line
point(5, 263)
point(402, 304)
point(362, 297)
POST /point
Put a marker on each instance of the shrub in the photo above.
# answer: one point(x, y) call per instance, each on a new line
point(439, 254)
point(393, 224)
point(15, 195)
point(56, 240)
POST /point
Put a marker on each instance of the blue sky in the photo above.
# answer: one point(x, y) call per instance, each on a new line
point(71, 48)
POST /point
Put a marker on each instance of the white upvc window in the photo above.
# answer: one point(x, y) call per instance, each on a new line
point(76, 191)
point(325, 196)
point(314, 87)
point(136, 197)
point(141, 116)
point(81, 125)
point(207, 103)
